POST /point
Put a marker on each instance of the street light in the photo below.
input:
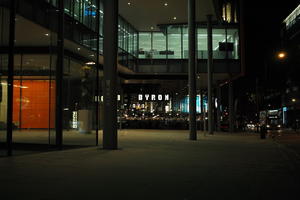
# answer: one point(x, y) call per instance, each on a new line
point(281, 55)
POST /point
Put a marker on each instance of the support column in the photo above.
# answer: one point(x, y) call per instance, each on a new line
point(209, 73)
point(219, 96)
point(192, 68)
point(230, 105)
point(97, 71)
point(10, 76)
point(202, 110)
point(59, 76)
point(110, 52)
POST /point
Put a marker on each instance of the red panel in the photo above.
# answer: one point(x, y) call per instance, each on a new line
point(37, 101)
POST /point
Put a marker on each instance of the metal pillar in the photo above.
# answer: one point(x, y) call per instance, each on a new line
point(97, 71)
point(202, 110)
point(59, 76)
point(10, 77)
point(192, 68)
point(230, 105)
point(219, 96)
point(209, 73)
point(110, 51)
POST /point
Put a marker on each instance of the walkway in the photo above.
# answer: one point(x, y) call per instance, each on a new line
point(156, 164)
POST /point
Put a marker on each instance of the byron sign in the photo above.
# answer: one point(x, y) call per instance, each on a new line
point(153, 97)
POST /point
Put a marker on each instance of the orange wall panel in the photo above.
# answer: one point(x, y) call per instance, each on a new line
point(36, 103)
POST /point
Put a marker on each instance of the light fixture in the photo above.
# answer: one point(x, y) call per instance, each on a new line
point(281, 55)
point(152, 27)
point(129, 3)
point(166, 4)
point(78, 49)
point(47, 34)
point(90, 63)
point(174, 18)
point(293, 100)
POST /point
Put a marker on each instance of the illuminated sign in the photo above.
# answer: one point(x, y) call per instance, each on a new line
point(74, 119)
point(154, 97)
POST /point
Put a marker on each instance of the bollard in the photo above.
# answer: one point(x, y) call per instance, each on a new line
point(263, 132)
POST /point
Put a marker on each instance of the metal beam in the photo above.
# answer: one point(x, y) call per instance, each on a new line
point(192, 68)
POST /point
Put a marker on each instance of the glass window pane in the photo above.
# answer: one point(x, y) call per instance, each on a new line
point(233, 37)
point(159, 45)
point(218, 38)
point(144, 44)
point(202, 43)
point(185, 38)
point(174, 42)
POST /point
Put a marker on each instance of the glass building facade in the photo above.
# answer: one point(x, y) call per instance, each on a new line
point(35, 64)
point(173, 44)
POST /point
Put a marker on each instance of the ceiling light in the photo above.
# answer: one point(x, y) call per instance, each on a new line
point(129, 3)
point(78, 49)
point(152, 28)
point(166, 4)
point(47, 34)
point(174, 18)
point(90, 63)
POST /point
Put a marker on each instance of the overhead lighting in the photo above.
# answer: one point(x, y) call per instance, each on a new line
point(78, 49)
point(174, 18)
point(90, 63)
point(47, 34)
point(152, 27)
point(166, 4)
point(129, 3)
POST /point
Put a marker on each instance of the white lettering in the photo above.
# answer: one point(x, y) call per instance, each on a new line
point(147, 96)
point(167, 97)
point(140, 97)
point(159, 97)
point(153, 97)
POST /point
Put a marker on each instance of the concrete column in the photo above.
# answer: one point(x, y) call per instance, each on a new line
point(97, 71)
point(209, 73)
point(10, 77)
point(192, 69)
point(202, 110)
point(219, 100)
point(230, 106)
point(59, 76)
point(110, 52)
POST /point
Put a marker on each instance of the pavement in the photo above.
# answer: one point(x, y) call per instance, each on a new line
point(157, 164)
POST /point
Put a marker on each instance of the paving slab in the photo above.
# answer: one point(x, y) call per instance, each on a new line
point(156, 164)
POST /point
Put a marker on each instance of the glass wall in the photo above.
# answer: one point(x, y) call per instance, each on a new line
point(79, 103)
point(33, 99)
point(4, 36)
point(85, 12)
point(145, 45)
point(174, 42)
point(159, 48)
point(174, 45)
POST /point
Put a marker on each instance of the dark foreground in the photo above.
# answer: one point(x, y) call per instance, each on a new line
point(156, 164)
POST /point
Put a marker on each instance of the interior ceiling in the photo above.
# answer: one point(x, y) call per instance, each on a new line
point(144, 14)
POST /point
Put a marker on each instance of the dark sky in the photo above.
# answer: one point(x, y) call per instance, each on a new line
point(263, 22)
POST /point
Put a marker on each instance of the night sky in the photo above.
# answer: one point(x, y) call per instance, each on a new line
point(263, 23)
